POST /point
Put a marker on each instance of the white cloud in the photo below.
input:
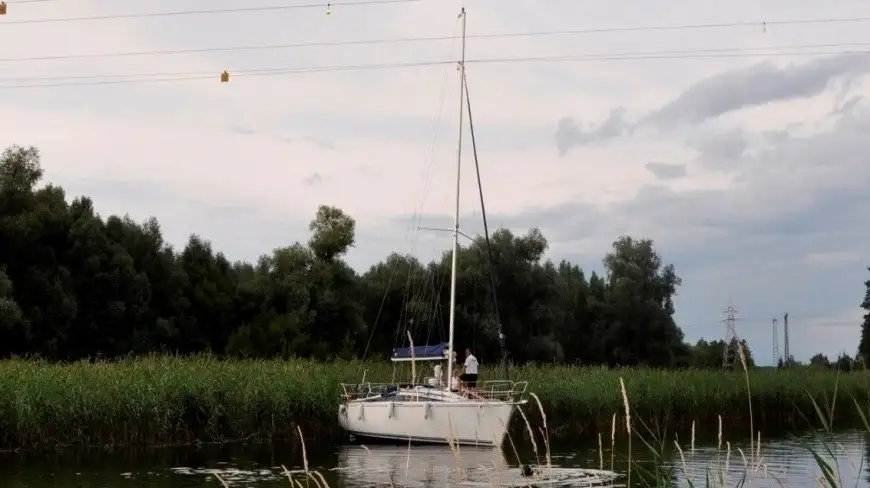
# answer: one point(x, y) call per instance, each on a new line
point(772, 224)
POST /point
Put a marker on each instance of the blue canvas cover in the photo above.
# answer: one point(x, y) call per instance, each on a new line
point(438, 351)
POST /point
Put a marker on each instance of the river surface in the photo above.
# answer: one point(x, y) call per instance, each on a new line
point(783, 462)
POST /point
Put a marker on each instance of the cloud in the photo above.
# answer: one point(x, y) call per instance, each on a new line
point(768, 209)
point(221, 223)
point(755, 85)
point(785, 239)
point(313, 179)
point(241, 129)
point(718, 147)
point(830, 334)
point(665, 171)
point(832, 258)
point(722, 93)
point(569, 134)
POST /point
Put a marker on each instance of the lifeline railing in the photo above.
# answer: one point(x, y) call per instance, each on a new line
point(491, 390)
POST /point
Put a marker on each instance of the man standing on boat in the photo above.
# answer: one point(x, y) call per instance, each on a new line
point(469, 375)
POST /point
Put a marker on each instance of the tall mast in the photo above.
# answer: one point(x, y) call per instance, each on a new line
point(456, 212)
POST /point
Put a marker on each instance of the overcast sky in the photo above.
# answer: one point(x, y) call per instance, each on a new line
point(749, 172)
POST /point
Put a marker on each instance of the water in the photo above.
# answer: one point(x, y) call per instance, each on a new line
point(785, 460)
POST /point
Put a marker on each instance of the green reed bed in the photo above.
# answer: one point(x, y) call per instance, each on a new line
point(157, 400)
point(586, 398)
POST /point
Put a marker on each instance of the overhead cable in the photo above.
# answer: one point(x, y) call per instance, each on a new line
point(119, 78)
point(173, 13)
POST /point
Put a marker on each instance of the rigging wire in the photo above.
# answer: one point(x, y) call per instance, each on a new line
point(175, 13)
point(494, 291)
point(417, 215)
point(158, 77)
point(411, 279)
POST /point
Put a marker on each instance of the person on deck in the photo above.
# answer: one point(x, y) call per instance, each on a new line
point(455, 383)
point(469, 375)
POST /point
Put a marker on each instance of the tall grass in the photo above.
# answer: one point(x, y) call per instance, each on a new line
point(828, 458)
point(161, 400)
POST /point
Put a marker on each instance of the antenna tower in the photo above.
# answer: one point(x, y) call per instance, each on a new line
point(785, 350)
point(730, 337)
point(775, 344)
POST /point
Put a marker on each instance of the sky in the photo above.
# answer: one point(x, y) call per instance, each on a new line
point(745, 163)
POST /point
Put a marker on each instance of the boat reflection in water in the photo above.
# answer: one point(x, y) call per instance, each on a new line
point(420, 466)
point(438, 467)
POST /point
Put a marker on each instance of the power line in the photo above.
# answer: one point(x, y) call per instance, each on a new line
point(200, 75)
point(262, 47)
point(266, 47)
point(207, 11)
point(581, 57)
point(827, 324)
point(764, 24)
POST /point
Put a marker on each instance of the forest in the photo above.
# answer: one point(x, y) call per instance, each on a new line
point(75, 285)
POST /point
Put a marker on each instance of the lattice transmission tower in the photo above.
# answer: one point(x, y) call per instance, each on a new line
point(731, 342)
point(775, 344)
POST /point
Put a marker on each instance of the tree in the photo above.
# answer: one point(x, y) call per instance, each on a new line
point(711, 354)
point(20, 170)
point(74, 284)
point(864, 343)
point(14, 331)
point(332, 233)
point(820, 361)
point(641, 305)
point(845, 363)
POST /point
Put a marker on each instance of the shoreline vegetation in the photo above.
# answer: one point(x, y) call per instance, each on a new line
point(175, 400)
point(75, 286)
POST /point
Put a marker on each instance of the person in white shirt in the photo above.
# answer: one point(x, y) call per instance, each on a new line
point(469, 375)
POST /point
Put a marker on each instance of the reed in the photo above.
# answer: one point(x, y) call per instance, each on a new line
point(160, 400)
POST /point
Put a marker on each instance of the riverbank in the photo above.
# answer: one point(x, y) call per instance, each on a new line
point(161, 400)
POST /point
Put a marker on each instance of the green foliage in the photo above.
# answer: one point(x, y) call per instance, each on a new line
point(864, 344)
point(844, 362)
point(11, 319)
point(76, 285)
point(332, 233)
point(160, 399)
point(711, 354)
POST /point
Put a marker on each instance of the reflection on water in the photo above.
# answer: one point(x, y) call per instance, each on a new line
point(782, 462)
point(363, 467)
point(360, 466)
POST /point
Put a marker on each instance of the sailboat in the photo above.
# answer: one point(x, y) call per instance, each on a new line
point(433, 412)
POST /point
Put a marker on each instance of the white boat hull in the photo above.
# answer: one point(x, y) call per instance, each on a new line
point(467, 422)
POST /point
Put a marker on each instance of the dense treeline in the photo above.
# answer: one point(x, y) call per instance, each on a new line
point(74, 285)
point(864, 343)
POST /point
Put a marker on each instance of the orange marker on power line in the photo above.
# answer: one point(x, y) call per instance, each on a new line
point(225, 77)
